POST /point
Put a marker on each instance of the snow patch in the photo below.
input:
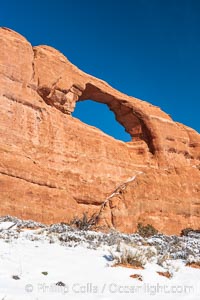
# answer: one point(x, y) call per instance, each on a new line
point(58, 262)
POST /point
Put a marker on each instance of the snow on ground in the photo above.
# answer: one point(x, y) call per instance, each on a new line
point(58, 262)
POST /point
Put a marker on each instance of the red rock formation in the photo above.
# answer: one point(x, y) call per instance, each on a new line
point(54, 167)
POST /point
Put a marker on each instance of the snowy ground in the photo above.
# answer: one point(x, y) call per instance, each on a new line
point(58, 262)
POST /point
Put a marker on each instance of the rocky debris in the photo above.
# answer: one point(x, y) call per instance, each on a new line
point(54, 168)
point(15, 277)
point(165, 274)
point(137, 276)
point(60, 283)
point(195, 265)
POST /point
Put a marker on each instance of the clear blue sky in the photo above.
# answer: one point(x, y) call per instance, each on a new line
point(149, 49)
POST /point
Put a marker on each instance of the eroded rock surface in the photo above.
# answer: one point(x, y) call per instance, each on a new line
point(53, 167)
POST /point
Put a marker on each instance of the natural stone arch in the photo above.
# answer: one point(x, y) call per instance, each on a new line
point(124, 113)
point(64, 84)
point(133, 119)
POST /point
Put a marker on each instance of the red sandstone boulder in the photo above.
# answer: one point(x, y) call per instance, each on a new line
point(54, 167)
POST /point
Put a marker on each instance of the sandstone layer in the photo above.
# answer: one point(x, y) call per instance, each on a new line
point(54, 167)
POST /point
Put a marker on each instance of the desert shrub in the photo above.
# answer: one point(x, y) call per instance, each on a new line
point(128, 256)
point(187, 231)
point(85, 223)
point(68, 238)
point(192, 259)
point(162, 259)
point(118, 248)
point(146, 230)
point(150, 253)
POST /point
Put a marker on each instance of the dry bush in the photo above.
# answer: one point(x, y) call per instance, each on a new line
point(128, 256)
point(146, 230)
point(85, 223)
point(187, 231)
point(193, 261)
point(162, 259)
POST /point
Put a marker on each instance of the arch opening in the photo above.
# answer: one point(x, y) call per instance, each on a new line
point(130, 117)
point(102, 117)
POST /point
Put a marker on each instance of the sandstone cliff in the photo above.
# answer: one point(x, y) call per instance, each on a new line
point(54, 167)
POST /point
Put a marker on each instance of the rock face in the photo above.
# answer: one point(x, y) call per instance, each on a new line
point(53, 167)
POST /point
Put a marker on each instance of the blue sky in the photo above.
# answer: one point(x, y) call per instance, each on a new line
point(149, 49)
